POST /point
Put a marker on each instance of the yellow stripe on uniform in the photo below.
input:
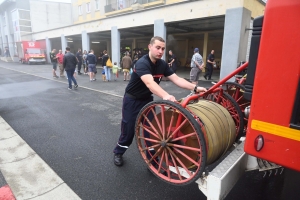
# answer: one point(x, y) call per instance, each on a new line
point(274, 129)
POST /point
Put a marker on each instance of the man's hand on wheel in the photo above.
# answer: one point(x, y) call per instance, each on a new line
point(169, 98)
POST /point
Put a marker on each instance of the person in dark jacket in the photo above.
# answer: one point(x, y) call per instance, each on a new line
point(209, 65)
point(79, 58)
point(173, 61)
point(69, 64)
point(92, 61)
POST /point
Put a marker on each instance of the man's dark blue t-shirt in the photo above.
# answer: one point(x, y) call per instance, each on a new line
point(211, 57)
point(136, 87)
point(79, 56)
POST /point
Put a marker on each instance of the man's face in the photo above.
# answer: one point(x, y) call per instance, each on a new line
point(212, 51)
point(54, 50)
point(157, 49)
point(59, 51)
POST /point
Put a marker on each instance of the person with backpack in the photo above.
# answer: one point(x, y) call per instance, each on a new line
point(106, 68)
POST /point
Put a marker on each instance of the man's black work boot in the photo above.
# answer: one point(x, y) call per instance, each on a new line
point(118, 159)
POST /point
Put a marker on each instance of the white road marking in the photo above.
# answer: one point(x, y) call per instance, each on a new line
point(27, 174)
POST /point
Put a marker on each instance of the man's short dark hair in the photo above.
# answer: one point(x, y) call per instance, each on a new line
point(68, 48)
point(152, 41)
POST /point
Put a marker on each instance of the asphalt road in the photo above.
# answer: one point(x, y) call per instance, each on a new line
point(75, 133)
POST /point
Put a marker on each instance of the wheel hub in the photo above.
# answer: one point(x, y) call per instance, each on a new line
point(163, 144)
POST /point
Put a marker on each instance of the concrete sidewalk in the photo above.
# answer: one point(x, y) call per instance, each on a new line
point(27, 175)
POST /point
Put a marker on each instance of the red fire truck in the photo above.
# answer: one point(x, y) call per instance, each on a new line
point(30, 52)
point(215, 137)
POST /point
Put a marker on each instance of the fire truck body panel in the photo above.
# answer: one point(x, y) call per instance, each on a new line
point(276, 88)
point(30, 52)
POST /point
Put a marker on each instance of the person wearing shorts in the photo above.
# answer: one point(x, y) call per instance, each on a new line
point(53, 59)
point(92, 61)
point(196, 65)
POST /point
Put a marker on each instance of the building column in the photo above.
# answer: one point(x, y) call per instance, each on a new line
point(205, 42)
point(115, 44)
point(85, 38)
point(186, 49)
point(2, 37)
point(108, 47)
point(63, 43)
point(9, 37)
point(48, 49)
point(133, 47)
point(235, 39)
point(160, 30)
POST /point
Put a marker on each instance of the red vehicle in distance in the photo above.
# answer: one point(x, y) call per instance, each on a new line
point(30, 52)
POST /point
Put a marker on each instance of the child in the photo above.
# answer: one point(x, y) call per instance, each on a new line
point(115, 69)
point(103, 75)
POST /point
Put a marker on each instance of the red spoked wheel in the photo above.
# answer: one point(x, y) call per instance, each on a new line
point(236, 91)
point(171, 142)
point(231, 105)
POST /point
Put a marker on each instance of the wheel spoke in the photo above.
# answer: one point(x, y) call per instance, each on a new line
point(184, 136)
point(156, 119)
point(183, 147)
point(186, 156)
point(176, 167)
point(180, 162)
point(151, 147)
point(155, 155)
point(151, 125)
point(167, 164)
point(171, 123)
point(149, 131)
point(149, 139)
point(176, 130)
point(160, 162)
point(162, 109)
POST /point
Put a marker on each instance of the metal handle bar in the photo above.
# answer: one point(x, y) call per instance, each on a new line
point(215, 87)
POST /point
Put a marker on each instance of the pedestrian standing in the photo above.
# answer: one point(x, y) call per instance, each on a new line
point(53, 59)
point(144, 82)
point(84, 62)
point(92, 61)
point(60, 59)
point(173, 61)
point(6, 52)
point(126, 64)
point(69, 64)
point(209, 65)
point(196, 66)
point(79, 58)
point(105, 57)
point(115, 69)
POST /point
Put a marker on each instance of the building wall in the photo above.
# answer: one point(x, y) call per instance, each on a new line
point(49, 15)
point(10, 31)
point(85, 15)
point(170, 13)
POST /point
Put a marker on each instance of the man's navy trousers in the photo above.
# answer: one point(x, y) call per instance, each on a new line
point(130, 110)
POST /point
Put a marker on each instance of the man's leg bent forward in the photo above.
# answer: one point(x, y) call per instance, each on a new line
point(130, 110)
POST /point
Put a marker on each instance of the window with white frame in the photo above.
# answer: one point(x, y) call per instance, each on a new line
point(79, 10)
point(88, 7)
point(97, 5)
